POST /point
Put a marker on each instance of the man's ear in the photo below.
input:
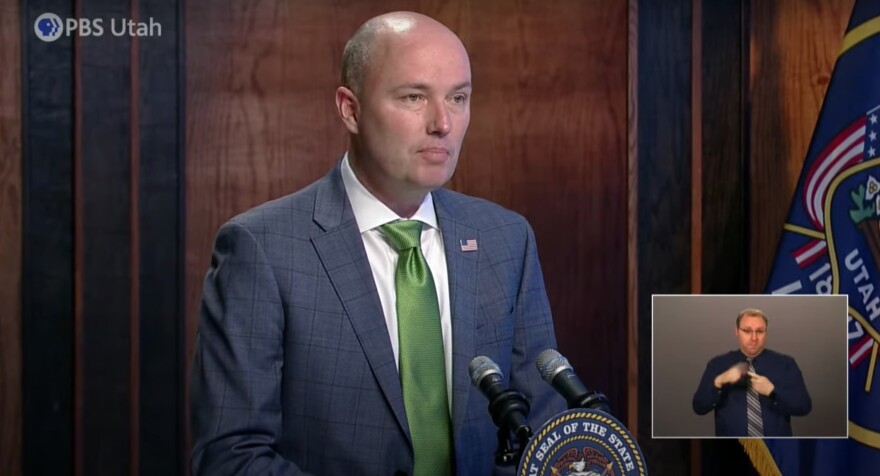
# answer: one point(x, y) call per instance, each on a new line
point(348, 108)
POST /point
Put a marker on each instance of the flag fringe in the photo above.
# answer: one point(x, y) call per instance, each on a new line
point(761, 458)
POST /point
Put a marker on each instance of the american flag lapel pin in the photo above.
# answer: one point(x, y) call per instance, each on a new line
point(469, 244)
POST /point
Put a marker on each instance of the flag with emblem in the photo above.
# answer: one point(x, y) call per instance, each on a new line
point(831, 245)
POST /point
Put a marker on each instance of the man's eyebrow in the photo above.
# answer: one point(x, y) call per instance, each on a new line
point(419, 86)
point(425, 87)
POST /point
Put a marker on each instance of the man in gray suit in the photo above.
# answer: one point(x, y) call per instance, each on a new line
point(311, 356)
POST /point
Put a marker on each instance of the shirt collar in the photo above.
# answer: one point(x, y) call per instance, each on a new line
point(370, 212)
point(753, 359)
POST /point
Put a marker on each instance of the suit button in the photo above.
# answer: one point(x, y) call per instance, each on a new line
point(400, 473)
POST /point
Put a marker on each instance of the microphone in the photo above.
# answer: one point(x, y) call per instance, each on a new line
point(508, 408)
point(556, 370)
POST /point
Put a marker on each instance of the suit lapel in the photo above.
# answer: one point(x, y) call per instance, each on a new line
point(462, 271)
point(341, 251)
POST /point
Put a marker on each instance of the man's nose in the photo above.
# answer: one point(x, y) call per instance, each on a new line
point(439, 123)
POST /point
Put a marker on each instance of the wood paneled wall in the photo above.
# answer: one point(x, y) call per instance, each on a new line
point(755, 75)
point(10, 240)
point(663, 198)
point(102, 326)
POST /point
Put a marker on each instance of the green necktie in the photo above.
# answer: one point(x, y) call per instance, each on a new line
point(422, 365)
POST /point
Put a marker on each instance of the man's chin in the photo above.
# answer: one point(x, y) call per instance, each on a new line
point(434, 181)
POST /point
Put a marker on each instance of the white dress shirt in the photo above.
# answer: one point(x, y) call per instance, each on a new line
point(370, 214)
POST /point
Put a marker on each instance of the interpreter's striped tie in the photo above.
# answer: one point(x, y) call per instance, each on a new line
point(753, 408)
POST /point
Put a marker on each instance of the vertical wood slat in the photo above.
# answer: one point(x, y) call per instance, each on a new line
point(134, 285)
point(632, 186)
point(724, 179)
point(160, 225)
point(10, 241)
point(696, 120)
point(664, 193)
point(134, 322)
point(724, 224)
point(78, 253)
point(105, 213)
point(696, 176)
point(48, 241)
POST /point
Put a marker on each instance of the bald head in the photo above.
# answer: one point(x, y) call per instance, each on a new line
point(405, 101)
point(379, 34)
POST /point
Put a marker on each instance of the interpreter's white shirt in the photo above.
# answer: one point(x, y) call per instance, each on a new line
point(370, 214)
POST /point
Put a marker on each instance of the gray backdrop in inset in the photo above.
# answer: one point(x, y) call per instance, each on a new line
point(689, 330)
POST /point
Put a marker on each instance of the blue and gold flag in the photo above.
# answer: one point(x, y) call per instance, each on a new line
point(831, 245)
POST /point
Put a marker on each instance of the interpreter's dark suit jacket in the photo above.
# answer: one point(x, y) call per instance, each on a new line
point(789, 397)
point(293, 369)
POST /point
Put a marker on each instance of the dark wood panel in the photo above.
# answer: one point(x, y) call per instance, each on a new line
point(724, 63)
point(724, 217)
point(47, 261)
point(104, 209)
point(724, 457)
point(632, 225)
point(98, 245)
point(160, 237)
point(794, 46)
point(10, 240)
point(664, 190)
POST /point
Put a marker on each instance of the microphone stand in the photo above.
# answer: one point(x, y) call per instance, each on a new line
point(509, 410)
point(592, 401)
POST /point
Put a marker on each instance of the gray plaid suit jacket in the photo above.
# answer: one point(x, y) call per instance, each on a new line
point(293, 371)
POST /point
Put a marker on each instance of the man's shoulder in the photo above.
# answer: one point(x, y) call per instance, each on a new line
point(477, 212)
point(283, 214)
point(778, 356)
point(288, 207)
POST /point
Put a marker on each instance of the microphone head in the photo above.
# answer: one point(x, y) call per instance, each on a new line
point(481, 367)
point(550, 363)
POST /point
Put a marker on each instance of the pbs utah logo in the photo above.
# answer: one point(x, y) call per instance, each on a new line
point(48, 27)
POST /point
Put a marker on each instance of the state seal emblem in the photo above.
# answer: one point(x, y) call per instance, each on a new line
point(582, 443)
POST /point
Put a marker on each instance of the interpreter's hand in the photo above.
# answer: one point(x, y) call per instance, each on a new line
point(731, 375)
point(761, 384)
